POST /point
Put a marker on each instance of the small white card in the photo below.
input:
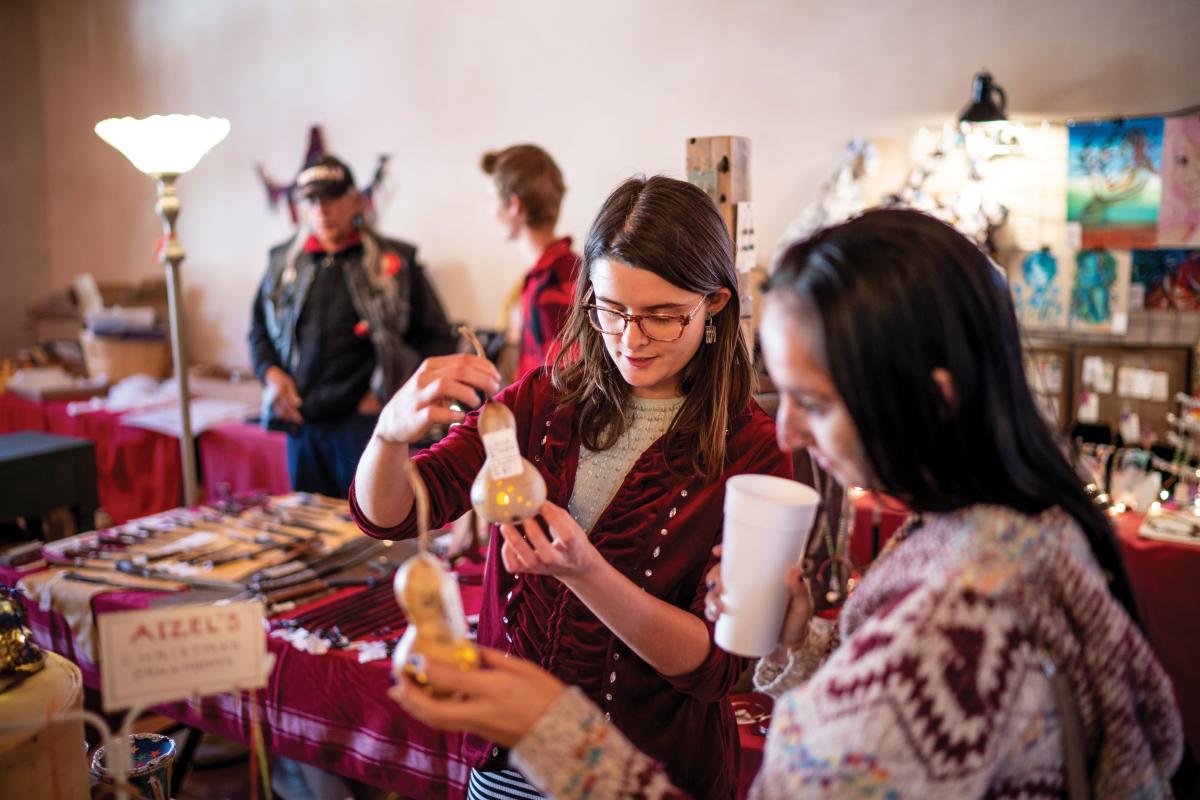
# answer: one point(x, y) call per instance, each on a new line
point(503, 453)
point(744, 242)
point(1075, 235)
point(162, 655)
point(1160, 386)
point(1131, 429)
point(1089, 407)
point(1126, 381)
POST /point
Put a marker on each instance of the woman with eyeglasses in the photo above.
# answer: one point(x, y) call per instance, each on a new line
point(644, 414)
point(991, 651)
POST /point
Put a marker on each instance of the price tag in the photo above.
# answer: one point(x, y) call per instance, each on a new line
point(503, 453)
point(166, 654)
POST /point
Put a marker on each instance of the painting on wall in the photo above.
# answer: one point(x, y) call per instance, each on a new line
point(1114, 181)
point(1040, 282)
point(1100, 291)
point(1179, 215)
point(1170, 279)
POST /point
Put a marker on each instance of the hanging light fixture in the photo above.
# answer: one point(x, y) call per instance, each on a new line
point(983, 126)
point(984, 106)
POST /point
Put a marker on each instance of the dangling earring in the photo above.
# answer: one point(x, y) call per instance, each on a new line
point(710, 331)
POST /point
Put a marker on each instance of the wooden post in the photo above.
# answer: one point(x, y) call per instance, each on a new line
point(720, 165)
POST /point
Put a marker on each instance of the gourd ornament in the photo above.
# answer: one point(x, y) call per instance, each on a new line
point(437, 627)
point(508, 489)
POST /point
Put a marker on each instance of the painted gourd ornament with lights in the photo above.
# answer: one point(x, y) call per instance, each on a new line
point(508, 488)
point(437, 627)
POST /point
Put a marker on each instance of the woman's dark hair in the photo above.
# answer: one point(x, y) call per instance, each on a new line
point(898, 295)
point(674, 230)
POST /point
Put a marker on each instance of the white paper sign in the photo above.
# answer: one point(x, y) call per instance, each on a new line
point(503, 453)
point(1075, 235)
point(1089, 407)
point(162, 655)
point(1160, 383)
point(1131, 429)
point(1126, 378)
point(744, 240)
point(1137, 295)
point(1143, 382)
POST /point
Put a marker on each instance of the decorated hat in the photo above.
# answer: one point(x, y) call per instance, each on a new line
point(326, 177)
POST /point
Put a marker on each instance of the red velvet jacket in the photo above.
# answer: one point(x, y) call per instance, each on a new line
point(658, 530)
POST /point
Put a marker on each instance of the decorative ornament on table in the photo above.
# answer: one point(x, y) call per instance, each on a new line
point(19, 656)
point(429, 596)
point(508, 488)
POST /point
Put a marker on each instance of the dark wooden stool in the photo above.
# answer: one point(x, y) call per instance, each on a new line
point(40, 472)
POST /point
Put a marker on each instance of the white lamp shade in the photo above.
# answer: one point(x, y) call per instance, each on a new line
point(158, 145)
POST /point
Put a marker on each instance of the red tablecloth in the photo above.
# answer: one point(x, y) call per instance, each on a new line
point(1166, 585)
point(246, 458)
point(139, 472)
point(869, 509)
point(19, 414)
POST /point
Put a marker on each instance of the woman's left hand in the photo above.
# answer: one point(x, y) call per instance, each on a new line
point(565, 554)
point(500, 701)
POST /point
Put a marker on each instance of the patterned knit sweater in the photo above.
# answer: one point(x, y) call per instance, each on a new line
point(938, 687)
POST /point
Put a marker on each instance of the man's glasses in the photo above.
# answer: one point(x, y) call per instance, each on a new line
point(658, 327)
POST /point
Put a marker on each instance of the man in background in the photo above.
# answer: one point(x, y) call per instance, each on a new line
point(342, 318)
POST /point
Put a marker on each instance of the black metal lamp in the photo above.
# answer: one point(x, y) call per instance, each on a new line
point(984, 106)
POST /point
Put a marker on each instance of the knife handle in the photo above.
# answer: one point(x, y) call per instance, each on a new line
point(291, 592)
point(293, 579)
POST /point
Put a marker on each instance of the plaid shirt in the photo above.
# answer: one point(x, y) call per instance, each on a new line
point(546, 300)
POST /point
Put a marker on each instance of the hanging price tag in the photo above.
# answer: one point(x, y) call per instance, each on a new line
point(502, 452)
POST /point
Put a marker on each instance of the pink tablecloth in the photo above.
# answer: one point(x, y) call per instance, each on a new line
point(138, 472)
point(245, 458)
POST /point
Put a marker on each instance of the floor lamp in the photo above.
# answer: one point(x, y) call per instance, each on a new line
point(164, 148)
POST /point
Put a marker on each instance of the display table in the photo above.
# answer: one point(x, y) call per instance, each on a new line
point(44, 471)
point(331, 711)
point(138, 472)
point(1166, 586)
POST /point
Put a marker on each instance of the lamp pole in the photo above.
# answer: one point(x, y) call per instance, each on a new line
point(167, 206)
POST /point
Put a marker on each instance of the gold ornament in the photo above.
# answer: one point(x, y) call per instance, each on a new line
point(19, 656)
point(508, 489)
point(437, 627)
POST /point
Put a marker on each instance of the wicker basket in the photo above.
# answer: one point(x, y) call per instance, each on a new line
point(118, 357)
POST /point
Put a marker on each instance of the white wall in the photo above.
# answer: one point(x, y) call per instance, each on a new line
point(610, 88)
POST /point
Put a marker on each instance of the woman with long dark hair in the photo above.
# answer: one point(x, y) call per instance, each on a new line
point(645, 413)
point(894, 346)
